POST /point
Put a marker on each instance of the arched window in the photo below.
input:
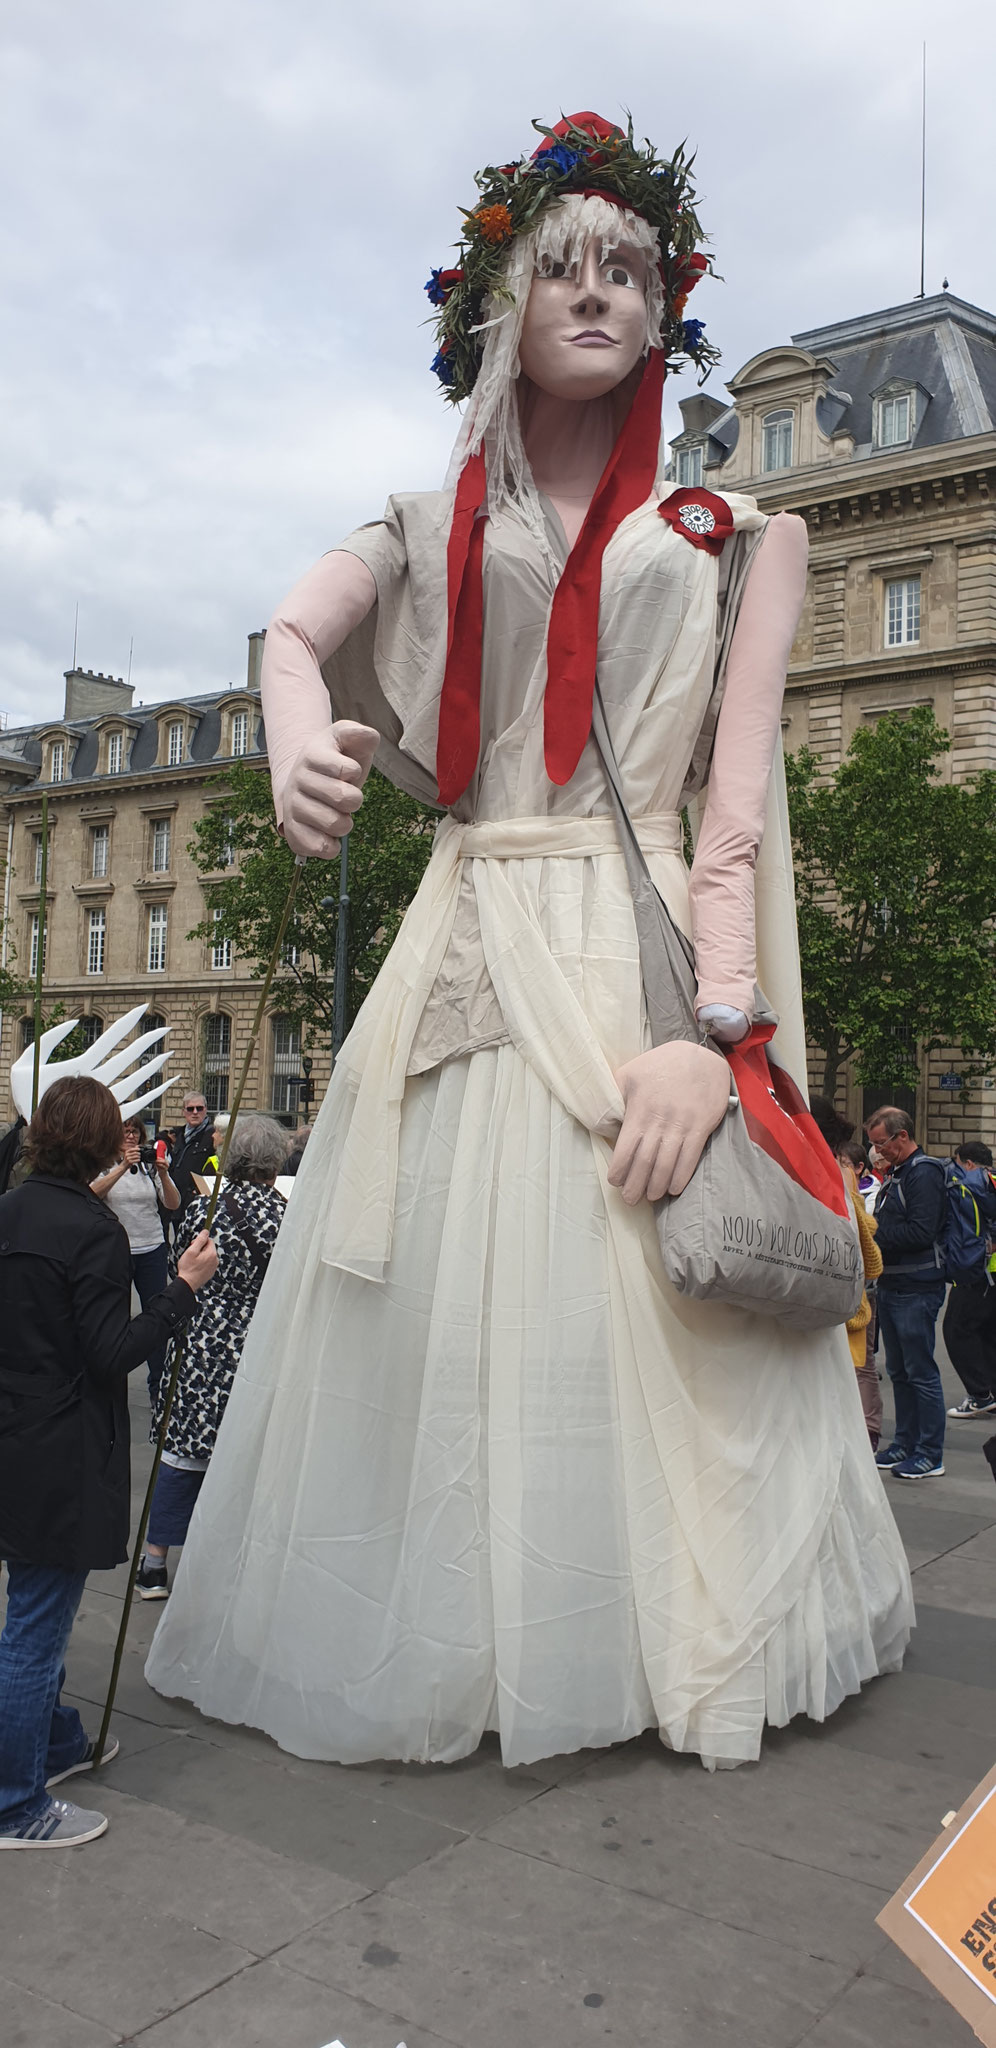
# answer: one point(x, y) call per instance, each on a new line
point(216, 1042)
point(27, 1031)
point(776, 450)
point(153, 1020)
point(286, 1066)
point(90, 1029)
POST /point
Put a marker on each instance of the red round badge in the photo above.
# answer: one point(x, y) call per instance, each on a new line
point(700, 517)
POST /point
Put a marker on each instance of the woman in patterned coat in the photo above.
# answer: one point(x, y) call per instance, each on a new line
point(245, 1231)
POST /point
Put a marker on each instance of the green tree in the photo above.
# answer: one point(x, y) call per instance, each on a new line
point(388, 850)
point(896, 890)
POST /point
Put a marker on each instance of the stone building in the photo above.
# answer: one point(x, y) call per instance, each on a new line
point(126, 785)
point(879, 431)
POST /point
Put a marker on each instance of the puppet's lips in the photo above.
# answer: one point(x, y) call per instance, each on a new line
point(593, 337)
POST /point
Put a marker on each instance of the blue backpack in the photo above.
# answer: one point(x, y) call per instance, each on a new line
point(971, 1212)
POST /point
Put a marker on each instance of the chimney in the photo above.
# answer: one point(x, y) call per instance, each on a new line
point(87, 695)
point(698, 412)
point(255, 661)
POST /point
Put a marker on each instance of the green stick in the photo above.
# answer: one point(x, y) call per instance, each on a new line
point(40, 961)
point(179, 1347)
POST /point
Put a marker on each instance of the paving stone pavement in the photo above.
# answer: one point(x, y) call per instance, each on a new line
point(245, 1897)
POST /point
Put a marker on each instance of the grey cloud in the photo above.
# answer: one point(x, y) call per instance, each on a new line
point(216, 220)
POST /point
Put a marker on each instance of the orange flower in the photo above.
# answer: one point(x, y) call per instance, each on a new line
point(680, 303)
point(495, 223)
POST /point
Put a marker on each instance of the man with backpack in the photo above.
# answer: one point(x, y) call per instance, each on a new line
point(911, 1214)
point(970, 1318)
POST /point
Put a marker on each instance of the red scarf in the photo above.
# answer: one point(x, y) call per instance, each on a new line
point(572, 640)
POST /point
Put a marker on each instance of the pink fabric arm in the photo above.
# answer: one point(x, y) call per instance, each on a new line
point(722, 881)
point(315, 619)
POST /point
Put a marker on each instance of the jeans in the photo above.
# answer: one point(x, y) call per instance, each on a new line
point(38, 1735)
point(907, 1325)
point(150, 1273)
point(970, 1335)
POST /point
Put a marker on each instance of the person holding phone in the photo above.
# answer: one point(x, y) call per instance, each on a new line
point(141, 1194)
point(67, 1344)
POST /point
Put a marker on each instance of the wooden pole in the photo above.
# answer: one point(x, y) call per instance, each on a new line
point(40, 960)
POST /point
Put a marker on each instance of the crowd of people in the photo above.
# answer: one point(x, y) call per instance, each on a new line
point(99, 1208)
point(92, 1209)
point(927, 1230)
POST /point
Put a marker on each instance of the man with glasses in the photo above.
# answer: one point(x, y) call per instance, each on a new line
point(192, 1150)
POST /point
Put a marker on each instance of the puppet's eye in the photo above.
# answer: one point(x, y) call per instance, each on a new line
point(618, 273)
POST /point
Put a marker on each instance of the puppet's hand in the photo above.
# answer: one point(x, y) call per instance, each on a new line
point(325, 788)
point(674, 1096)
point(726, 1025)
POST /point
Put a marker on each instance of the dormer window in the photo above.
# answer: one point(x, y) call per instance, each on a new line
point(240, 732)
point(114, 751)
point(776, 440)
point(174, 742)
point(689, 467)
point(894, 419)
point(57, 762)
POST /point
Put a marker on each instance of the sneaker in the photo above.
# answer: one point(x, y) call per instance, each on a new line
point(86, 1762)
point(918, 1468)
point(151, 1582)
point(892, 1455)
point(61, 1826)
point(968, 1408)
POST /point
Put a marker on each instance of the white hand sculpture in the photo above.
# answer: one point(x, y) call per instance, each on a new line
point(324, 788)
point(96, 1061)
point(674, 1096)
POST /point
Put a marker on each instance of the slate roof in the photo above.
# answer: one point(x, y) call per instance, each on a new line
point(942, 344)
point(21, 747)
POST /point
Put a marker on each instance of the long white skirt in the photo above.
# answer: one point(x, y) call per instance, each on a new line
point(521, 1485)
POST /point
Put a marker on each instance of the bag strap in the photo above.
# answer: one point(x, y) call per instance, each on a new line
point(667, 961)
point(255, 1250)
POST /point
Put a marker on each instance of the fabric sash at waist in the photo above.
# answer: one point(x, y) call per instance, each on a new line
point(562, 838)
point(542, 1014)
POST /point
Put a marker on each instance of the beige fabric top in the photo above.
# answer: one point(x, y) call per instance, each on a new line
point(657, 660)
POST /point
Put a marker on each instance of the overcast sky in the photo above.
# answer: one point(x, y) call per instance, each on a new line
point(218, 215)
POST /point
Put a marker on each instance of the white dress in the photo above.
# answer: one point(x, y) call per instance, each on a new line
point(481, 1468)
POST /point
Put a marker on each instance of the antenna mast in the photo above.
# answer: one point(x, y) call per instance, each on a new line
point(923, 172)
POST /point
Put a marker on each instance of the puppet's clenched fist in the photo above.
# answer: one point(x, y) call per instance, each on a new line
point(325, 788)
point(674, 1096)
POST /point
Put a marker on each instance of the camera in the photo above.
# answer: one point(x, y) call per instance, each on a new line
point(147, 1154)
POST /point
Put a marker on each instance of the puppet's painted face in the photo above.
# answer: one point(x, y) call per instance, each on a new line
point(583, 333)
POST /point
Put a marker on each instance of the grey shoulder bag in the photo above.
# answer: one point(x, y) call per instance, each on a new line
point(764, 1224)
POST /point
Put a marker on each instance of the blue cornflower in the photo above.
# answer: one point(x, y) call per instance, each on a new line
point(437, 296)
point(692, 332)
point(444, 367)
point(558, 158)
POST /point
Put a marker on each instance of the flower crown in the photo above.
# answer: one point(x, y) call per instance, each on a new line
point(582, 154)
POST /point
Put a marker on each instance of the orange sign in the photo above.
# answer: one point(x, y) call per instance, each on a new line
point(955, 1902)
point(944, 1916)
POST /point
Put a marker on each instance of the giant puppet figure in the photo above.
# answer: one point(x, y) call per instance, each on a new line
point(482, 1468)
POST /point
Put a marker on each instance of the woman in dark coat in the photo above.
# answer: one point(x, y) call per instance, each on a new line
point(67, 1344)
